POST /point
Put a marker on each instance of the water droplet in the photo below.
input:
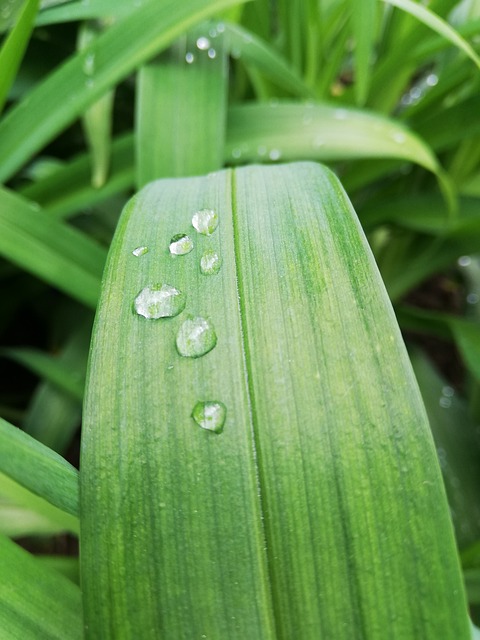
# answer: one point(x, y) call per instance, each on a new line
point(473, 298)
point(203, 43)
point(275, 154)
point(220, 27)
point(448, 392)
point(89, 64)
point(205, 221)
point(445, 403)
point(140, 251)
point(464, 261)
point(431, 79)
point(210, 263)
point(196, 337)
point(180, 244)
point(212, 32)
point(212, 53)
point(237, 152)
point(210, 415)
point(160, 301)
point(399, 137)
point(189, 57)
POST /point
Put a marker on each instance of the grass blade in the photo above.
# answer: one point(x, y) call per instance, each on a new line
point(437, 24)
point(48, 248)
point(28, 590)
point(38, 468)
point(86, 77)
point(188, 90)
point(363, 22)
point(352, 499)
point(13, 48)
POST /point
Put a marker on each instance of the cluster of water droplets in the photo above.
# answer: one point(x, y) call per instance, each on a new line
point(196, 335)
point(204, 44)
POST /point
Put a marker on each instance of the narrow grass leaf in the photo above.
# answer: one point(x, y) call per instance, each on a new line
point(188, 90)
point(69, 190)
point(50, 249)
point(363, 22)
point(38, 468)
point(267, 457)
point(253, 50)
point(65, 565)
point(23, 513)
point(36, 603)
point(109, 59)
point(437, 24)
point(286, 131)
point(458, 448)
point(47, 367)
point(13, 48)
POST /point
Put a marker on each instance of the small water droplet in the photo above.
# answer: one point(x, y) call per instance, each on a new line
point(196, 337)
point(89, 64)
point(212, 32)
point(212, 53)
point(220, 27)
point(140, 251)
point(160, 301)
point(275, 154)
point(205, 221)
point(237, 152)
point(399, 137)
point(448, 392)
point(445, 403)
point(473, 298)
point(189, 57)
point(210, 415)
point(431, 79)
point(180, 244)
point(464, 261)
point(203, 43)
point(210, 263)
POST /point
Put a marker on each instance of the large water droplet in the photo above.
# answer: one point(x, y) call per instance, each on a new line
point(210, 263)
point(203, 43)
point(205, 221)
point(140, 251)
point(180, 244)
point(160, 301)
point(196, 337)
point(210, 415)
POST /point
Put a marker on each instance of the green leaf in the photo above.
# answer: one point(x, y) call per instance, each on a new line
point(363, 22)
point(47, 367)
point(437, 24)
point(87, 76)
point(38, 468)
point(323, 487)
point(48, 248)
point(36, 603)
point(13, 48)
point(188, 89)
point(22, 513)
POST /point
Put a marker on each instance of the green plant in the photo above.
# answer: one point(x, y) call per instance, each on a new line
point(316, 507)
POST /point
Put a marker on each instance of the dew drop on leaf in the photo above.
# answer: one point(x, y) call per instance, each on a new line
point(180, 244)
point(140, 251)
point(203, 43)
point(210, 263)
point(210, 415)
point(196, 337)
point(160, 301)
point(189, 57)
point(205, 221)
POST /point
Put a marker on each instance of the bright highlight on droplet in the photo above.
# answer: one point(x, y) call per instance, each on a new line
point(203, 43)
point(210, 415)
point(210, 263)
point(196, 337)
point(205, 221)
point(189, 57)
point(160, 301)
point(180, 244)
point(140, 251)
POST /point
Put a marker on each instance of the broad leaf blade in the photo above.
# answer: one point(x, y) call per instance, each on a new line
point(351, 494)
